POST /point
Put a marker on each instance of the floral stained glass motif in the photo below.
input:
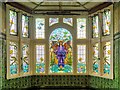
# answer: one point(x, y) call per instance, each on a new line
point(81, 28)
point(95, 59)
point(25, 58)
point(68, 21)
point(40, 59)
point(61, 57)
point(95, 26)
point(40, 28)
point(53, 21)
point(106, 22)
point(13, 22)
point(107, 57)
point(81, 58)
point(13, 58)
point(24, 26)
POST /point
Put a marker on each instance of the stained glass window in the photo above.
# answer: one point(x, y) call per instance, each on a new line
point(96, 58)
point(95, 26)
point(40, 28)
point(81, 58)
point(81, 28)
point(61, 57)
point(25, 58)
point(24, 26)
point(68, 21)
point(40, 59)
point(13, 58)
point(107, 57)
point(106, 22)
point(13, 22)
point(53, 21)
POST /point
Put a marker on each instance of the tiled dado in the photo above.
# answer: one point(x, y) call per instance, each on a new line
point(0, 63)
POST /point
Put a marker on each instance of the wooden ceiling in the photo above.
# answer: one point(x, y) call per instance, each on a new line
point(55, 7)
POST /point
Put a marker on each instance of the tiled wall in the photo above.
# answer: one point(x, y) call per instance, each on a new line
point(69, 80)
point(0, 61)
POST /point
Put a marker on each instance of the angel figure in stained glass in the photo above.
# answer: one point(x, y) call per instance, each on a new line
point(61, 54)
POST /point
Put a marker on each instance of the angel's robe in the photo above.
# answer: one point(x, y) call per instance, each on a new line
point(61, 55)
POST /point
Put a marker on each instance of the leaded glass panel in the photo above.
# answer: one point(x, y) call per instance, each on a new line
point(61, 57)
point(81, 58)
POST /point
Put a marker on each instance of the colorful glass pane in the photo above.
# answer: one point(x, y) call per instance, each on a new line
point(13, 22)
point(81, 28)
point(106, 22)
point(40, 28)
point(53, 21)
point(61, 57)
point(95, 59)
point(24, 26)
point(25, 58)
point(13, 58)
point(95, 26)
point(81, 58)
point(40, 59)
point(68, 21)
point(107, 57)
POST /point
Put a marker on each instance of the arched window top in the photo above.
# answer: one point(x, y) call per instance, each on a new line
point(60, 34)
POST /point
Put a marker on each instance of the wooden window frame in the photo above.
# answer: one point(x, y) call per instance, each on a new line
point(101, 40)
point(18, 39)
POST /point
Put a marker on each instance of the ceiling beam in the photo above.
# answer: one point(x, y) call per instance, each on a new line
point(86, 3)
point(57, 11)
point(34, 3)
point(99, 7)
point(58, 6)
point(40, 10)
point(20, 6)
point(82, 5)
point(37, 6)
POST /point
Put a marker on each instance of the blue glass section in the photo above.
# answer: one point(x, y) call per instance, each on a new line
point(56, 68)
point(40, 68)
point(25, 68)
point(13, 69)
point(81, 67)
point(95, 67)
point(106, 69)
